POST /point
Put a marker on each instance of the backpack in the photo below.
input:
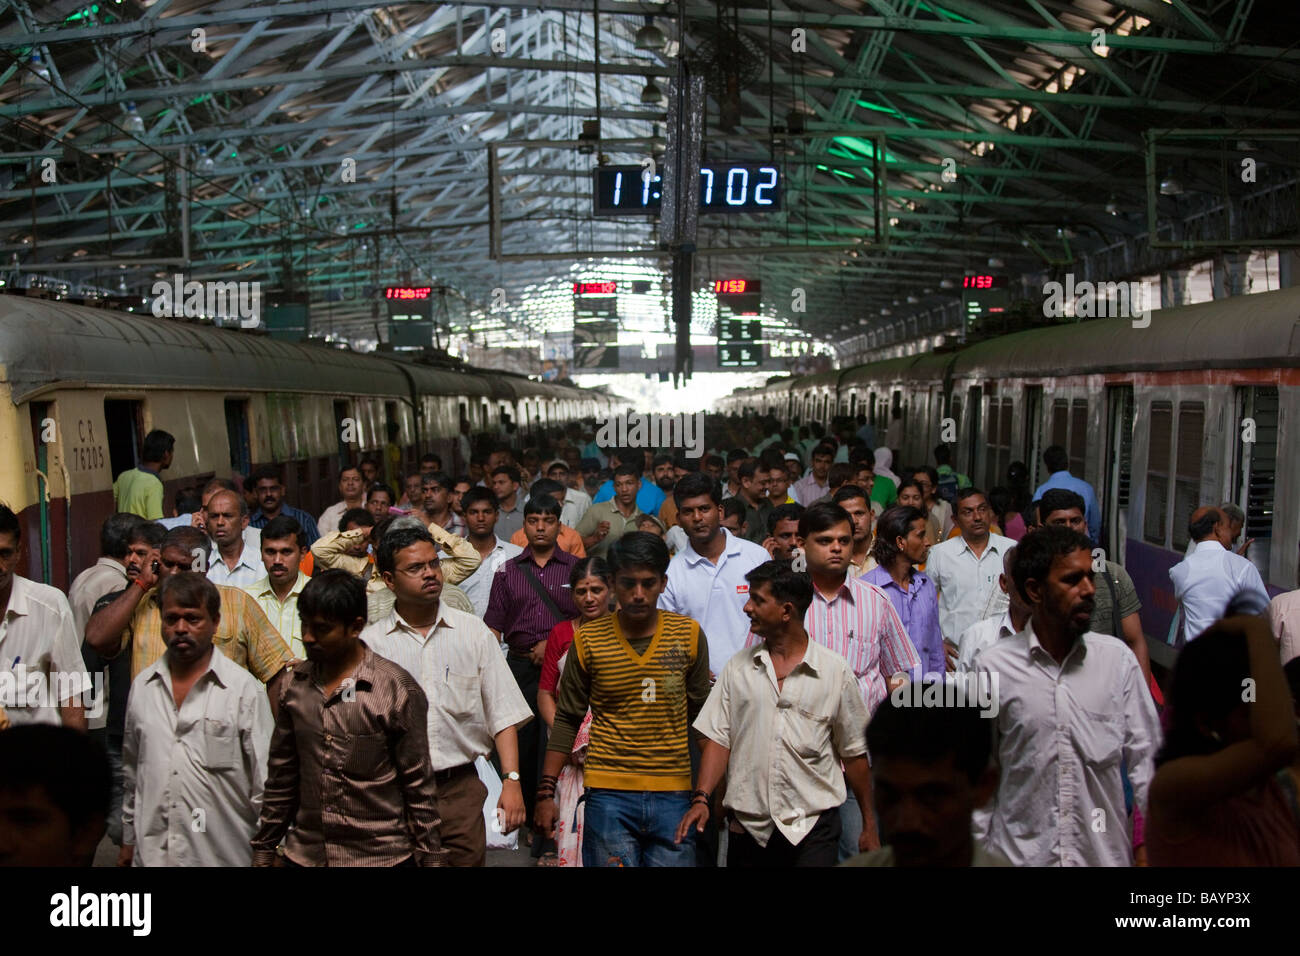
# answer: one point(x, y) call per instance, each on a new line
point(947, 489)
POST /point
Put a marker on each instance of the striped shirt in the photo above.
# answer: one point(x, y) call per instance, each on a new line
point(860, 624)
point(516, 611)
point(243, 634)
point(641, 702)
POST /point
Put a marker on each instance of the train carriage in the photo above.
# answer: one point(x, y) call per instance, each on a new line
point(80, 387)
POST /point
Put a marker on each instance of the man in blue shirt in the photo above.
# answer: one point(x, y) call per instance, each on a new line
point(270, 496)
point(1058, 467)
point(649, 498)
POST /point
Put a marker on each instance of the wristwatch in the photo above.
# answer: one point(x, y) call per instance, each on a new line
point(512, 775)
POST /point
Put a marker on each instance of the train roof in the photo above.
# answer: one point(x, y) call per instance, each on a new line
point(45, 343)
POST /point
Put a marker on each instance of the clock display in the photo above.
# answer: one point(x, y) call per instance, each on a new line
point(724, 187)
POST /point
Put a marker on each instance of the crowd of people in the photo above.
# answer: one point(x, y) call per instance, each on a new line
point(775, 654)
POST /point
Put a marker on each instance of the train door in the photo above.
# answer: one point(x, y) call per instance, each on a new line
point(1078, 446)
point(237, 435)
point(1118, 467)
point(124, 421)
point(340, 430)
point(974, 428)
point(1034, 433)
point(40, 411)
point(1255, 474)
point(999, 440)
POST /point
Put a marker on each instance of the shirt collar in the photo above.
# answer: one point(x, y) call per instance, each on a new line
point(18, 603)
point(1006, 627)
point(760, 657)
point(731, 546)
point(1080, 648)
point(217, 663)
point(263, 586)
point(845, 591)
point(396, 623)
point(1209, 544)
point(112, 563)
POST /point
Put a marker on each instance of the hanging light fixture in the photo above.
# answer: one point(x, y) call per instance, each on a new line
point(1171, 185)
point(652, 95)
point(650, 37)
point(1112, 205)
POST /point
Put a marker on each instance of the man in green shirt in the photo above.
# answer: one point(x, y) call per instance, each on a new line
point(139, 491)
point(607, 521)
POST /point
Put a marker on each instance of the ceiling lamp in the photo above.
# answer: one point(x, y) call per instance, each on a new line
point(650, 37)
point(1112, 205)
point(652, 95)
point(1171, 185)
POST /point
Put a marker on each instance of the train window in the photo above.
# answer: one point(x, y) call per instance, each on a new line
point(1155, 520)
point(1122, 442)
point(1187, 474)
point(344, 448)
point(1078, 437)
point(1258, 470)
point(1033, 430)
point(973, 430)
point(124, 423)
point(237, 435)
point(999, 441)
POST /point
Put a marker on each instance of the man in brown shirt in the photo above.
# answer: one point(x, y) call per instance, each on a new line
point(349, 766)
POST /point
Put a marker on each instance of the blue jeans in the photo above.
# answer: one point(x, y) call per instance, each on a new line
point(850, 826)
point(635, 828)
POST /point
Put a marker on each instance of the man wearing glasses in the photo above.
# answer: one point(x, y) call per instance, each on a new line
point(965, 569)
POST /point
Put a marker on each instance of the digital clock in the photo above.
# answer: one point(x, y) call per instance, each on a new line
point(407, 292)
point(595, 288)
point(984, 282)
point(724, 187)
point(737, 286)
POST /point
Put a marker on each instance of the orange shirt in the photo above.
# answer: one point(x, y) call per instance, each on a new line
point(569, 540)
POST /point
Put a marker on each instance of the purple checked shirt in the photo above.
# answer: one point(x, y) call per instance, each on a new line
point(918, 608)
point(515, 608)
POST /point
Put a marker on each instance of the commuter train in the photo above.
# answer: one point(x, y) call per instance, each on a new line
point(1200, 407)
point(80, 387)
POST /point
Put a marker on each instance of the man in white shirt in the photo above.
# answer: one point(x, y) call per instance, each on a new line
point(198, 734)
point(989, 631)
point(706, 580)
point(475, 706)
point(353, 489)
point(284, 545)
point(37, 636)
point(576, 502)
point(480, 510)
point(109, 573)
point(1211, 578)
point(965, 569)
point(233, 563)
point(1073, 711)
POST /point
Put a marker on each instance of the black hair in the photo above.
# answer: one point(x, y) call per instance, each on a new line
point(263, 473)
point(694, 485)
point(784, 583)
point(848, 492)
point(772, 459)
point(1206, 523)
point(543, 505)
point(1056, 459)
point(9, 523)
point(862, 456)
point(508, 470)
point(380, 487)
point(625, 470)
point(188, 500)
point(395, 541)
point(969, 492)
point(736, 454)
point(356, 516)
point(431, 457)
point(191, 589)
point(893, 524)
point(156, 445)
point(909, 483)
point(347, 468)
point(748, 468)
point(283, 526)
point(685, 464)
point(638, 549)
point(714, 461)
point(188, 539)
point(822, 517)
point(661, 459)
point(942, 456)
point(1291, 669)
point(929, 472)
point(592, 566)
point(68, 766)
point(116, 534)
point(545, 487)
point(150, 532)
point(335, 595)
point(841, 473)
point(734, 506)
point(1002, 500)
point(823, 451)
point(929, 734)
point(1206, 687)
point(1060, 499)
point(478, 494)
point(439, 478)
point(786, 512)
point(1039, 548)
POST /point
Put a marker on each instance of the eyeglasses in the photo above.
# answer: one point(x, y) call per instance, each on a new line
point(417, 569)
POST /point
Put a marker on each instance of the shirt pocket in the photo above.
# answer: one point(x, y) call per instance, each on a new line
point(220, 746)
point(461, 697)
point(808, 734)
point(367, 757)
point(1100, 738)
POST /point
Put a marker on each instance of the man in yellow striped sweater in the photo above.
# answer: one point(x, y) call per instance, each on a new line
point(644, 673)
